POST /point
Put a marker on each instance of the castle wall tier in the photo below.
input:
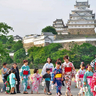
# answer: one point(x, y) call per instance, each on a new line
point(82, 19)
point(86, 31)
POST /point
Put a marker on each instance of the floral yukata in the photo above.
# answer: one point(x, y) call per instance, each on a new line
point(68, 71)
point(93, 84)
point(57, 79)
point(93, 63)
point(80, 75)
point(25, 73)
point(87, 78)
point(36, 82)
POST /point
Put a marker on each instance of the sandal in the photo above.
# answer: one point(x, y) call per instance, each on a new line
point(25, 92)
point(66, 94)
point(49, 93)
point(59, 94)
point(78, 94)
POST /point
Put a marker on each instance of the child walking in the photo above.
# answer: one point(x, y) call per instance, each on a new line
point(7, 83)
point(87, 81)
point(57, 78)
point(79, 78)
point(12, 81)
point(36, 81)
point(93, 84)
point(47, 78)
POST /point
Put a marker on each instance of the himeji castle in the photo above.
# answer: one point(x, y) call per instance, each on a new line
point(79, 29)
point(82, 20)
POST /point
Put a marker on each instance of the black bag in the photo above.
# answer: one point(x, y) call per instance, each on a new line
point(5, 76)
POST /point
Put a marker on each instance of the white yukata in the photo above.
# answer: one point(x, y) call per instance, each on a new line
point(80, 75)
point(47, 65)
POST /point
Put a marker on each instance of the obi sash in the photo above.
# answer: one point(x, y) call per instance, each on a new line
point(68, 69)
point(38, 78)
point(58, 75)
point(25, 72)
point(81, 76)
point(89, 78)
point(50, 69)
point(95, 63)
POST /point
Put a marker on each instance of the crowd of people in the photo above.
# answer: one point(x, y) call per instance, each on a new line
point(59, 75)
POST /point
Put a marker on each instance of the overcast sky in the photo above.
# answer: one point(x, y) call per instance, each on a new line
point(30, 16)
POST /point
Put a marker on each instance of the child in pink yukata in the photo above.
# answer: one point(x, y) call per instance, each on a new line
point(36, 81)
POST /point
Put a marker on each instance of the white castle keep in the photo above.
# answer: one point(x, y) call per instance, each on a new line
point(81, 21)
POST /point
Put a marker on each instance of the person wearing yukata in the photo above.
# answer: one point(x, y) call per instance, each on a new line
point(93, 62)
point(87, 81)
point(8, 87)
point(68, 72)
point(93, 84)
point(57, 78)
point(25, 73)
point(47, 65)
point(47, 78)
point(94, 70)
point(36, 80)
point(79, 78)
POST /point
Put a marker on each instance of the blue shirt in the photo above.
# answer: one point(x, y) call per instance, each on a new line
point(4, 69)
point(12, 80)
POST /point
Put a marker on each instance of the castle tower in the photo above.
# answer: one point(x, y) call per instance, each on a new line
point(58, 24)
point(82, 20)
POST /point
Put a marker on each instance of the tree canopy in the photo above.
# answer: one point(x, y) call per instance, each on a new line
point(49, 29)
point(4, 28)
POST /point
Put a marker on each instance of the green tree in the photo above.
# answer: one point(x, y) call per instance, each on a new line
point(7, 59)
point(17, 45)
point(4, 28)
point(40, 54)
point(3, 51)
point(49, 29)
point(19, 55)
point(3, 39)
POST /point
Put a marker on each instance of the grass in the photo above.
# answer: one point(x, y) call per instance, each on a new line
point(33, 70)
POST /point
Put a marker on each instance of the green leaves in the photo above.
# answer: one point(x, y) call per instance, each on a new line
point(77, 53)
point(39, 55)
point(49, 29)
point(19, 55)
point(4, 28)
point(17, 45)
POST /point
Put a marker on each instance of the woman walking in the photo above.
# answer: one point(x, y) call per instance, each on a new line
point(68, 72)
point(25, 73)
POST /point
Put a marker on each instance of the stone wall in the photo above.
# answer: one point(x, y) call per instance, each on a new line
point(29, 45)
point(86, 31)
point(68, 45)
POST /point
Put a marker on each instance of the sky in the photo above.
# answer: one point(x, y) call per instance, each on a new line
point(31, 16)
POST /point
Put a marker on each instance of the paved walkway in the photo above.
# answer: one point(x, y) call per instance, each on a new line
point(74, 91)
